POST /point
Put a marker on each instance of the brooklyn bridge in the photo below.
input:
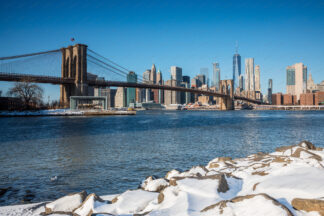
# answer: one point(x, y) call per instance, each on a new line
point(73, 75)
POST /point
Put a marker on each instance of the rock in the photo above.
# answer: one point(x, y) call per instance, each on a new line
point(306, 144)
point(222, 187)
point(297, 153)
point(260, 173)
point(154, 184)
point(160, 197)
point(215, 163)
point(29, 196)
point(88, 205)
point(309, 205)
point(4, 190)
point(66, 204)
point(235, 206)
point(172, 173)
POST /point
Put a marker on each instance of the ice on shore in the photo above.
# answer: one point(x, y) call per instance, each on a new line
point(289, 181)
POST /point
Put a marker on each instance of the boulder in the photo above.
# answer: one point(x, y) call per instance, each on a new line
point(306, 144)
point(249, 205)
point(309, 205)
point(66, 204)
point(222, 187)
point(154, 184)
point(88, 206)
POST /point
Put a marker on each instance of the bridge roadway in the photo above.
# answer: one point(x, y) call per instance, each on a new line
point(12, 77)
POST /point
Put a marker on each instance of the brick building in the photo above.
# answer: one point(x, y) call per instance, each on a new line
point(276, 99)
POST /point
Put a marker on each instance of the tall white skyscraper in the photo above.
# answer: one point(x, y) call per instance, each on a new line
point(257, 78)
point(249, 74)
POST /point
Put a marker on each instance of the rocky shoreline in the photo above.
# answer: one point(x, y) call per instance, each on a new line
point(289, 181)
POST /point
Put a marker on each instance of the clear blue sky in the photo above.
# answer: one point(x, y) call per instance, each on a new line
point(189, 34)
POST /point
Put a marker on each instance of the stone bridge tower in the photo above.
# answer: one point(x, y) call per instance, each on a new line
point(226, 87)
point(74, 65)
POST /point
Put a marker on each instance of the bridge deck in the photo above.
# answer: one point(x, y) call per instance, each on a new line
point(11, 77)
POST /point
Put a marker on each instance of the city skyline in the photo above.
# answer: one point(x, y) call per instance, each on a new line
point(271, 46)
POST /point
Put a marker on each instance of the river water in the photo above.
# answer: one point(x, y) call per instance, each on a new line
point(109, 154)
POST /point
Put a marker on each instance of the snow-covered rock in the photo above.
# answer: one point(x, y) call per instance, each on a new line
point(89, 205)
point(257, 204)
point(66, 204)
point(153, 184)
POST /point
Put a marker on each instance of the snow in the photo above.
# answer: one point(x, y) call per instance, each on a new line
point(129, 202)
point(89, 206)
point(257, 205)
point(66, 204)
point(154, 185)
point(260, 184)
point(52, 112)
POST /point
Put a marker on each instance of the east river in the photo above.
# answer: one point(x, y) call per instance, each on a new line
point(43, 158)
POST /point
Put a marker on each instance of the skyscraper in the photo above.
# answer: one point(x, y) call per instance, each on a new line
point(216, 75)
point(146, 76)
point(236, 69)
point(249, 74)
point(176, 78)
point(241, 82)
point(205, 72)
point(146, 79)
point(159, 78)
point(176, 74)
point(131, 92)
point(153, 74)
point(270, 91)
point(257, 78)
point(296, 79)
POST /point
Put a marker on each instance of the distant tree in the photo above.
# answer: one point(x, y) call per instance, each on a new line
point(0, 93)
point(28, 92)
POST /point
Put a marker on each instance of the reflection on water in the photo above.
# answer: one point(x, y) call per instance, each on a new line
point(111, 154)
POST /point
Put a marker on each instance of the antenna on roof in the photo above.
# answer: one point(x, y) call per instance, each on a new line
point(236, 47)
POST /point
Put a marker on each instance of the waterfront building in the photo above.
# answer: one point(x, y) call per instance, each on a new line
point(249, 74)
point(216, 75)
point(167, 93)
point(120, 98)
point(131, 92)
point(171, 97)
point(236, 68)
point(296, 79)
point(106, 92)
point(176, 74)
point(153, 74)
point(270, 91)
point(186, 97)
point(276, 99)
point(257, 78)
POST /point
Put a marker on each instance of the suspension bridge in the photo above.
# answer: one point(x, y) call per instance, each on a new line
point(76, 66)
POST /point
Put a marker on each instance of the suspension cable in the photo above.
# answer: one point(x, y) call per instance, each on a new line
point(30, 54)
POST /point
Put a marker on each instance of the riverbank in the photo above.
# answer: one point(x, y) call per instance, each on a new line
point(288, 181)
point(65, 112)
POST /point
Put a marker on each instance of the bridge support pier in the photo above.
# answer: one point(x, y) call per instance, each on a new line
point(226, 87)
point(74, 65)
